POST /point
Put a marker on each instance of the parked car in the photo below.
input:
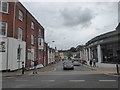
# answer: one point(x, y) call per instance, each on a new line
point(84, 62)
point(76, 63)
point(68, 65)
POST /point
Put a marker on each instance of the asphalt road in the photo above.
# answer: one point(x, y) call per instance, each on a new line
point(80, 77)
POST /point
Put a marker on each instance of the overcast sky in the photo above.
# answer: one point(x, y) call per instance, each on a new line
point(70, 24)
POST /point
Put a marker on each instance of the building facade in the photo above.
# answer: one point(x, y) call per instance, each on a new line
point(19, 26)
point(104, 48)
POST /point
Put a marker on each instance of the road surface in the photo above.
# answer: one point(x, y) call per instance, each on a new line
point(56, 77)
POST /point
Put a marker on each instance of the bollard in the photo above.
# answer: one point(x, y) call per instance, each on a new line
point(117, 69)
point(22, 67)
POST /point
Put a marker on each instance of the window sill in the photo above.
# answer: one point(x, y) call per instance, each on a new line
point(19, 40)
point(20, 20)
point(4, 12)
point(2, 36)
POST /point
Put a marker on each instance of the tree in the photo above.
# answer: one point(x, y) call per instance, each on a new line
point(72, 49)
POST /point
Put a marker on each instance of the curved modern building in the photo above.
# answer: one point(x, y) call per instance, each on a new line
point(104, 48)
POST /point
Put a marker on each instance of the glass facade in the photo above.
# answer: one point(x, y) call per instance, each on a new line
point(109, 52)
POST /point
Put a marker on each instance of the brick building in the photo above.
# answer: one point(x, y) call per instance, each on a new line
point(17, 22)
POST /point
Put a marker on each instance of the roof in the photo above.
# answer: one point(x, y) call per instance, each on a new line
point(106, 35)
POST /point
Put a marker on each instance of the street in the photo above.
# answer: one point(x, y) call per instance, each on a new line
point(80, 77)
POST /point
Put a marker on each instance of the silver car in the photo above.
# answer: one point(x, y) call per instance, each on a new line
point(68, 65)
point(76, 63)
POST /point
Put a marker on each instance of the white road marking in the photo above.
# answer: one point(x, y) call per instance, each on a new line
point(107, 80)
point(48, 80)
point(76, 80)
point(54, 69)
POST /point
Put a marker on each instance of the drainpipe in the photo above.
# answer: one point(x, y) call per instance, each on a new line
point(7, 54)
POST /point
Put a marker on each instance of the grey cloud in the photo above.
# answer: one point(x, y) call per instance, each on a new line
point(77, 17)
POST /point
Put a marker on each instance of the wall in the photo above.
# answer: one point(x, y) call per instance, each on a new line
point(9, 58)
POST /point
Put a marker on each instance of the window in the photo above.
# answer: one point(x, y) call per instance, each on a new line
point(3, 28)
point(4, 7)
point(40, 43)
point(20, 16)
point(32, 39)
point(39, 33)
point(32, 25)
point(20, 34)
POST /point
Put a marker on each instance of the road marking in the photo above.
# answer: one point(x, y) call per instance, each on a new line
point(54, 69)
point(21, 80)
point(107, 80)
point(76, 80)
point(48, 80)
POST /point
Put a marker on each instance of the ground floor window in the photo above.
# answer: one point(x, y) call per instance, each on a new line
point(109, 53)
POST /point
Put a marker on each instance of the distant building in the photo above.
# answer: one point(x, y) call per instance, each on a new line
point(51, 55)
point(45, 54)
point(21, 37)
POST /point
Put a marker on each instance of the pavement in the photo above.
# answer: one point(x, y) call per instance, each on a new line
point(102, 68)
point(54, 76)
point(30, 72)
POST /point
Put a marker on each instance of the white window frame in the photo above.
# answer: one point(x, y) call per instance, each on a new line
point(21, 33)
point(40, 43)
point(32, 39)
point(6, 28)
point(20, 15)
point(2, 5)
point(32, 25)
